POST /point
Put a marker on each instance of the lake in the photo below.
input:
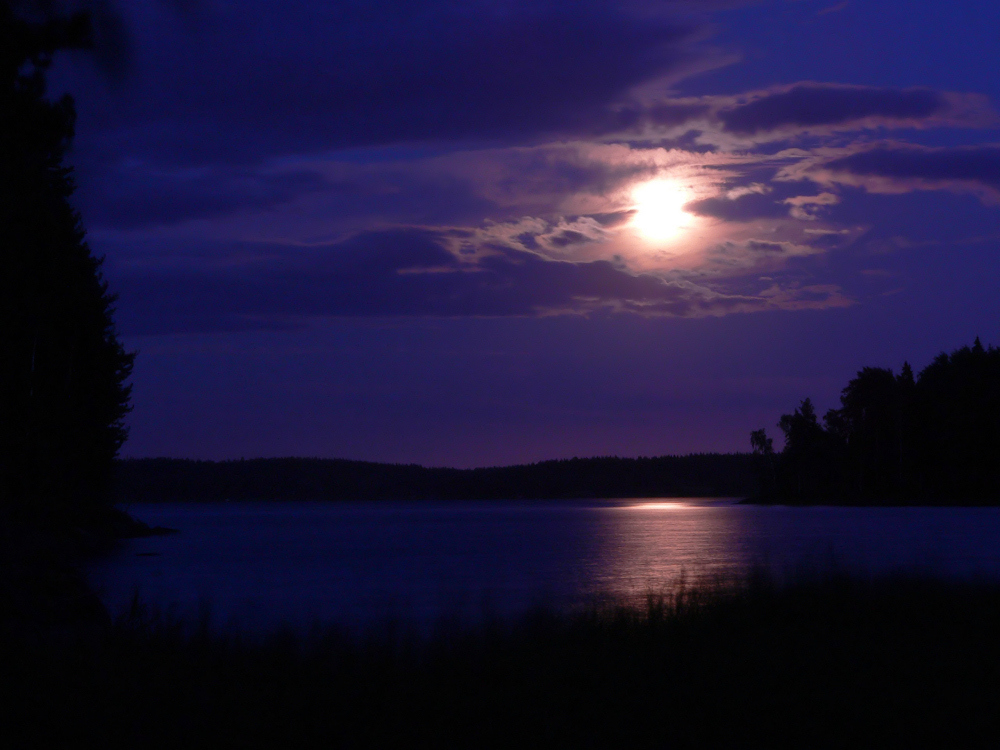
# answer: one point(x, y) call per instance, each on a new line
point(355, 564)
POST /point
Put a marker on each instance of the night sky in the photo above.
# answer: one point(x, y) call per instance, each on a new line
point(486, 232)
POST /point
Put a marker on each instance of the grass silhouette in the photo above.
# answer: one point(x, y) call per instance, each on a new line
point(825, 662)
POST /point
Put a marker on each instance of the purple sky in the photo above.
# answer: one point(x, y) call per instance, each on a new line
point(476, 233)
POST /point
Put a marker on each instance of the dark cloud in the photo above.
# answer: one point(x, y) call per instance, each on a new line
point(765, 247)
point(127, 201)
point(743, 208)
point(675, 114)
point(394, 273)
point(613, 219)
point(567, 237)
point(663, 114)
point(229, 88)
point(125, 197)
point(252, 82)
point(561, 171)
point(687, 141)
point(808, 105)
point(802, 106)
point(970, 164)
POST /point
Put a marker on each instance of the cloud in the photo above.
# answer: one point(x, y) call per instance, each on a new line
point(895, 168)
point(312, 197)
point(405, 272)
point(247, 83)
point(129, 199)
point(481, 159)
point(807, 106)
point(832, 8)
point(654, 115)
point(807, 207)
point(230, 110)
point(741, 208)
point(732, 260)
point(759, 201)
point(325, 197)
point(576, 255)
point(230, 89)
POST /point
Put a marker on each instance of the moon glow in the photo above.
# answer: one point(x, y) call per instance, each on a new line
point(659, 213)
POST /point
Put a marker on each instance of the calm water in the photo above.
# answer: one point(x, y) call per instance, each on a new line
point(261, 564)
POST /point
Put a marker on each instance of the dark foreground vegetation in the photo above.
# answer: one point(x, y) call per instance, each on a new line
point(837, 662)
point(896, 439)
point(159, 479)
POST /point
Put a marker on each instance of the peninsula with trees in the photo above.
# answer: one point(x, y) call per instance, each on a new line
point(897, 439)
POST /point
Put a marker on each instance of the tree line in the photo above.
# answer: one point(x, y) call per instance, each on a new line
point(166, 479)
point(896, 438)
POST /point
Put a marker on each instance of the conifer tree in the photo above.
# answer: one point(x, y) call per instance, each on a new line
point(63, 371)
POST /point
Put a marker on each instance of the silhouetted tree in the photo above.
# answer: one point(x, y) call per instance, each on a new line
point(905, 406)
point(762, 445)
point(868, 421)
point(896, 438)
point(764, 458)
point(957, 408)
point(63, 372)
point(809, 467)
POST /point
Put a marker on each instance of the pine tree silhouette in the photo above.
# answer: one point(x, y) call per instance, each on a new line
point(63, 372)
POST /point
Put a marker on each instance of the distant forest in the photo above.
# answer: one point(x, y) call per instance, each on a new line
point(896, 439)
point(168, 479)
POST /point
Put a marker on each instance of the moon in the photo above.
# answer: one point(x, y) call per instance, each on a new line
point(659, 212)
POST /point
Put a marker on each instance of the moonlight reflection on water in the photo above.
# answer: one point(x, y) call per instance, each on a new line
point(652, 545)
point(262, 564)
